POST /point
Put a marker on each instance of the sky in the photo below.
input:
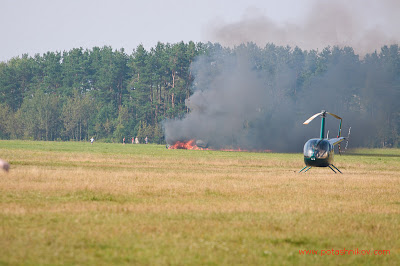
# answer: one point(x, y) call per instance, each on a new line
point(39, 26)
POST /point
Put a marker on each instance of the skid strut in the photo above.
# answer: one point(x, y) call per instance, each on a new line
point(305, 168)
point(330, 166)
point(332, 169)
point(336, 168)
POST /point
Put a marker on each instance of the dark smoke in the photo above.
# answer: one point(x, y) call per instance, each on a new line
point(220, 112)
point(238, 104)
point(233, 106)
point(365, 25)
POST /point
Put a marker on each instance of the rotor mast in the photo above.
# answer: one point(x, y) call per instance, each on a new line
point(323, 115)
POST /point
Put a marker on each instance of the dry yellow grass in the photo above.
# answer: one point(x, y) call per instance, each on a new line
point(76, 203)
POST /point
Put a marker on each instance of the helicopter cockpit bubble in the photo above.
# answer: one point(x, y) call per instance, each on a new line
point(309, 147)
point(317, 148)
point(320, 152)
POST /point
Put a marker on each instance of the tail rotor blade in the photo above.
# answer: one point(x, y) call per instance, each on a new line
point(312, 118)
point(348, 137)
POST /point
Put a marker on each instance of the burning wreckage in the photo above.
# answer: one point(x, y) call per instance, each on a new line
point(189, 145)
point(229, 108)
point(202, 145)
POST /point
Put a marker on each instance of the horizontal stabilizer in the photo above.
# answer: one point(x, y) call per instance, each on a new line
point(336, 140)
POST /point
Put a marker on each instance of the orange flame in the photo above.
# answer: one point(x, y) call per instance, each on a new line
point(191, 145)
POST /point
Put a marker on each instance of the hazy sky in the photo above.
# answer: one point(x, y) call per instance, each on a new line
point(38, 26)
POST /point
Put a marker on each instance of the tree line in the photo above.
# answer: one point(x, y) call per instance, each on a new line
point(109, 94)
point(99, 92)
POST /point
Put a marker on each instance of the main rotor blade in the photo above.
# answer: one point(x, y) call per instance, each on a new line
point(335, 116)
point(312, 118)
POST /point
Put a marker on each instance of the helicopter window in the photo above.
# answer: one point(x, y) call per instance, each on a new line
point(323, 145)
point(309, 147)
point(321, 150)
point(317, 148)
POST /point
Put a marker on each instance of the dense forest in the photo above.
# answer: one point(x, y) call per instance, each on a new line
point(110, 94)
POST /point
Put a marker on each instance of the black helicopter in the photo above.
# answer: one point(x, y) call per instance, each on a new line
point(319, 152)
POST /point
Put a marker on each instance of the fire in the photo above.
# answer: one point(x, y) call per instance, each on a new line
point(191, 145)
point(188, 145)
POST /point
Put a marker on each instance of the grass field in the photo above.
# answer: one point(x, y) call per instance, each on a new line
point(77, 203)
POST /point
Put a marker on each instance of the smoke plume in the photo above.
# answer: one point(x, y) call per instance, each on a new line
point(365, 25)
point(234, 107)
point(240, 102)
point(237, 104)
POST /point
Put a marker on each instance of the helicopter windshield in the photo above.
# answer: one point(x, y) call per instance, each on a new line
point(316, 148)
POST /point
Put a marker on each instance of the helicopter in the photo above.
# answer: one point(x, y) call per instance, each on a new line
point(319, 152)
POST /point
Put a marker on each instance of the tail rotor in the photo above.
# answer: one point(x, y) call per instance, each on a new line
point(348, 137)
point(339, 135)
point(347, 142)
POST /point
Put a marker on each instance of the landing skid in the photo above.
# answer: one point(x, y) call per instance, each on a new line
point(305, 168)
point(335, 168)
point(330, 166)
